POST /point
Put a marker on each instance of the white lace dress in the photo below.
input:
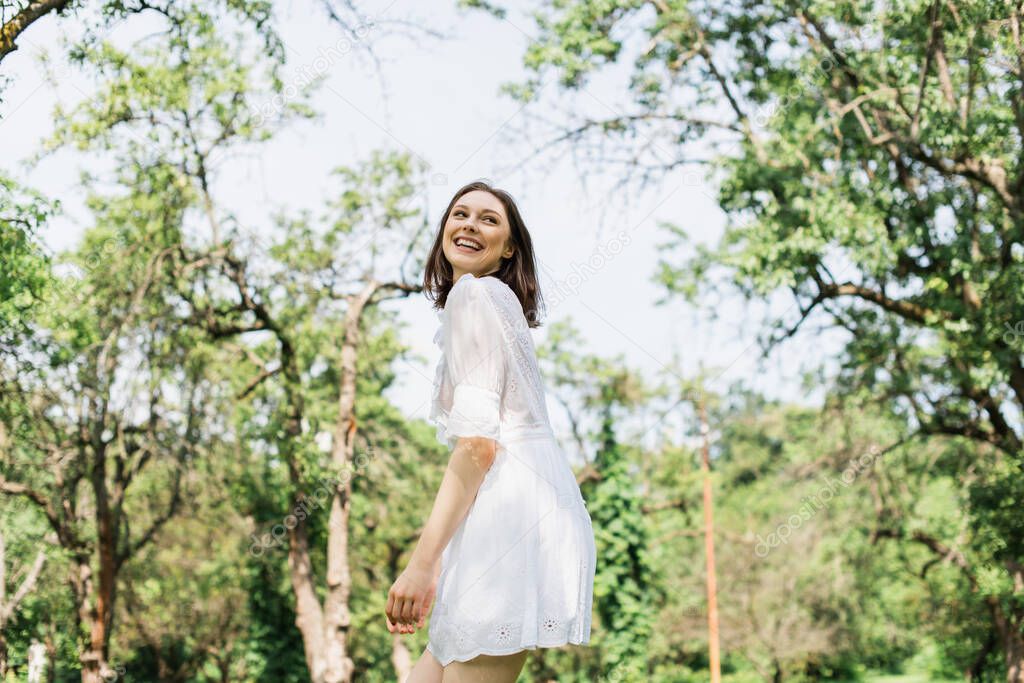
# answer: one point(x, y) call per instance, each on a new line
point(519, 571)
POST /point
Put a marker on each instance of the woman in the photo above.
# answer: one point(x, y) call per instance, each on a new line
point(508, 548)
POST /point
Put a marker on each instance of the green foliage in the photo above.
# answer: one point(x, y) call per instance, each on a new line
point(899, 229)
point(186, 98)
point(489, 7)
point(39, 616)
point(869, 159)
point(26, 267)
point(624, 591)
point(273, 647)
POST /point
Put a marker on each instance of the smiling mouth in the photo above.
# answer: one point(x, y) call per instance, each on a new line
point(467, 245)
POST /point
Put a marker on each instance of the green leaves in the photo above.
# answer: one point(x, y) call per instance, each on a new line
point(26, 267)
point(871, 158)
point(186, 97)
point(624, 593)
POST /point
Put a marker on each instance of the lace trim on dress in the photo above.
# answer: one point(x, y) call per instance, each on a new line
point(438, 415)
point(516, 333)
point(503, 637)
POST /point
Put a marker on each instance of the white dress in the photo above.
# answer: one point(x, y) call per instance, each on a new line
point(519, 571)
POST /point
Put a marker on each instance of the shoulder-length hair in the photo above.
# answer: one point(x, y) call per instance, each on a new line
point(519, 271)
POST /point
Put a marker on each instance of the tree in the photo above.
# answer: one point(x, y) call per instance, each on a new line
point(26, 274)
point(298, 304)
point(24, 15)
point(10, 605)
point(597, 394)
point(108, 395)
point(78, 446)
point(869, 159)
point(197, 98)
point(16, 16)
point(167, 113)
point(623, 586)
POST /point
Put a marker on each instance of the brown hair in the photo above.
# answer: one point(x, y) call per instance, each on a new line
point(519, 271)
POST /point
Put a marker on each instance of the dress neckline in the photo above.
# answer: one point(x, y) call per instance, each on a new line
point(468, 274)
point(439, 334)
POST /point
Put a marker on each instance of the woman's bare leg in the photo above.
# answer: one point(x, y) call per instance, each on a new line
point(486, 669)
point(426, 670)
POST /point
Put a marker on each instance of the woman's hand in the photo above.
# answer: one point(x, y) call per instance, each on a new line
point(411, 596)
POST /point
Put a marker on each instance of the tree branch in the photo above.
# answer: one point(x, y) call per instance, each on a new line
point(33, 11)
point(905, 309)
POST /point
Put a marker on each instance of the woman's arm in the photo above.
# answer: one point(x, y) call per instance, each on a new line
point(467, 466)
point(410, 597)
point(474, 355)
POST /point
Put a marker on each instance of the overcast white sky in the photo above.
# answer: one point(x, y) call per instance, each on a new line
point(438, 99)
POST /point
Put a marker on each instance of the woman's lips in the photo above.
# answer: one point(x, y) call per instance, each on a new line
point(466, 250)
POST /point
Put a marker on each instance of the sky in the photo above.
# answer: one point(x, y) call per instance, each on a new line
point(434, 94)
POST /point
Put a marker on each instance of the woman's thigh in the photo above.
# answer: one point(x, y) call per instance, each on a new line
point(426, 670)
point(486, 669)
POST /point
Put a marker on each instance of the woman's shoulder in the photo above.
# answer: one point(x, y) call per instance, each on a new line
point(490, 289)
point(468, 283)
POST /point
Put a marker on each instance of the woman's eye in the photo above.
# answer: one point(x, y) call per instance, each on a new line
point(460, 212)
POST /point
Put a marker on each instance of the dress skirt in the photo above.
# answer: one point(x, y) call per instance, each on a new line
point(519, 571)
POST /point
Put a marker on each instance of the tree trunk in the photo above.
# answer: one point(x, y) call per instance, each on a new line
point(401, 658)
point(1013, 648)
point(339, 578)
point(51, 656)
point(93, 655)
point(308, 613)
point(339, 585)
point(324, 628)
point(978, 668)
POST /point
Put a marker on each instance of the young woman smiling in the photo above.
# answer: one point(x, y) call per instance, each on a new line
point(508, 548)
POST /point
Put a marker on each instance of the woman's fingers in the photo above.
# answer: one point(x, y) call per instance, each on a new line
point(405, 613)
point(408, 606)
point(396, 611)
point(395, 606)
point(397, 625)
point(390, 608)
point(398, 628)
point(403, 627)
point(415, 608)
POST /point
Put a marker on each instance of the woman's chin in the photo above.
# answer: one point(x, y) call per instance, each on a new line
point(465, 262)
point(463, 256)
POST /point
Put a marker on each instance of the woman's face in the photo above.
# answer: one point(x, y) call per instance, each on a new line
point(478, 223)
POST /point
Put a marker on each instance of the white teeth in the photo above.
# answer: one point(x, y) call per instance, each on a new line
point(466, 243)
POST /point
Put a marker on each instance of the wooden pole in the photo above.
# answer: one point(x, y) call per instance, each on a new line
point(709, 547)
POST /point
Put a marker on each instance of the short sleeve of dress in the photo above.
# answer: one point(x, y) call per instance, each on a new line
point(474, 350)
